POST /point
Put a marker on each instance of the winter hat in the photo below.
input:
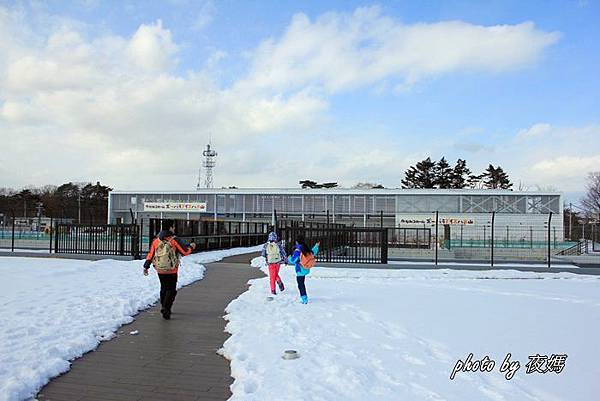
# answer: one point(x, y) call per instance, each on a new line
point(273, 236)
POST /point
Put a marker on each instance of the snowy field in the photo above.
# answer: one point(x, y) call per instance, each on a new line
point(397, 335)
point(55, 310)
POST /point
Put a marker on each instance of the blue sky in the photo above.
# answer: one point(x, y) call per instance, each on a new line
point(531, 107)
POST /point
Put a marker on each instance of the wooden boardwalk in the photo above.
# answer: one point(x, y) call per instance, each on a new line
point(168, 360)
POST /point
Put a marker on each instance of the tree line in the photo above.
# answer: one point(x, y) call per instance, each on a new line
point(70, 201)
point(439, 174)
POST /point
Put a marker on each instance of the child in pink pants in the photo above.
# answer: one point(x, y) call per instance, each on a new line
point(275, 255)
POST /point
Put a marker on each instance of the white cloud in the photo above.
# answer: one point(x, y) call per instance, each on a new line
point(343, 51)
point(560, 156)
point(114, 108)
point(568, 166)
point(152, 49)
point(205, 16)
point(534, 131)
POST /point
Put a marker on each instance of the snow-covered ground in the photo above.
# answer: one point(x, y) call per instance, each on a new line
point(468, 263)
point(55, 310)
point(397, 335)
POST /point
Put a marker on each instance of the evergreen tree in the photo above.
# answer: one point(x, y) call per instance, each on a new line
point(426, 174)
point(422, 175)
point(496, 178)
point(410, 178)
point(460, 174)
point(443, 174)
point(475, 181)
point(308, 184)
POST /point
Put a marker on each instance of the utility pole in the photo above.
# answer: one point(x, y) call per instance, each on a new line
point(40, 208)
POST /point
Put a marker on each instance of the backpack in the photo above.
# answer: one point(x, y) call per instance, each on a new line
point(308, 261)
point(273, 253)
point(165, 257)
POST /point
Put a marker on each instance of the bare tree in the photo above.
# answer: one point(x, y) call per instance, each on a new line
point(591, 201)
point(522, 186)
point(367, 185)
point(545, 188)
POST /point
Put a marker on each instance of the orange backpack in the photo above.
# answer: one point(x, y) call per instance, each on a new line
point(308, 261)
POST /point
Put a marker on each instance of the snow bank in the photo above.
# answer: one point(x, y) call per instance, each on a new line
point(397, 334)
point(55, 310)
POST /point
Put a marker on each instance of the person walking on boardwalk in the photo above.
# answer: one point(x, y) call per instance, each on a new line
point(275, 255)
point(303, 260)
point(164, 254)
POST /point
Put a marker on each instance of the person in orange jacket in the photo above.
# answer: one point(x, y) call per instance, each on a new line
point(164, 254)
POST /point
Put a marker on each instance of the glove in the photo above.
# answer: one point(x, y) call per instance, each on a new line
point(147, 264)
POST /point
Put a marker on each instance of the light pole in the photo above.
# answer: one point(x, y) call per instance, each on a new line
point(571, 213)
point(40, 208)
point(570, 221)
point(79, 209)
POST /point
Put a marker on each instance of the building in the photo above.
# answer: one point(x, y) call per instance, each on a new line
point(522, 212)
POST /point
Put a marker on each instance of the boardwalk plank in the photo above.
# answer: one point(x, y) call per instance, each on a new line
point(168, 360)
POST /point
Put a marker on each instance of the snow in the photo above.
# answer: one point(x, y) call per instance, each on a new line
point(496, 265)
point(17, 250)
point(55, 310)
point(397, 334)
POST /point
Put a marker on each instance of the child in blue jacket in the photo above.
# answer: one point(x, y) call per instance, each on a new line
point(300, 249)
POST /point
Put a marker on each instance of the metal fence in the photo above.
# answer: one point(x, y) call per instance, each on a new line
point(18, 238)
point(403, 237)
point(97, 239)
point(449, 239)
point(209, 235)
point(341, 244)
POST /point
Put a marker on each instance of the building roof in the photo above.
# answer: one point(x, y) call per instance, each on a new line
point(341, 191)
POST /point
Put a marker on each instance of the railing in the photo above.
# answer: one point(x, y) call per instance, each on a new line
point(408, 237)
point(578, 249)
point(307, 224)
point(341, 244)
point(105, 239)
point(209, 235)
point(216, 242)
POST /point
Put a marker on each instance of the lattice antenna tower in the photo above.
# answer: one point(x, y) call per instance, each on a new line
point(208, 163)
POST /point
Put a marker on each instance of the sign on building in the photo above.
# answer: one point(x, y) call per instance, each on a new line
point(431, 220)
point(174, 206)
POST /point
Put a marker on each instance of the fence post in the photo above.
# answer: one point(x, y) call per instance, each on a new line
point(56, 237)
point(12, 243)
point(141, 235)
point(484, 234)
point(531, 237)
point(492, 242)
point(121, 240)
point(549, 221)
point(135, 242)
point(436, 237)
point(384, 246)
point(51, 234)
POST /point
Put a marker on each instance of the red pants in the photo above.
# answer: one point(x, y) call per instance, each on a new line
point(274, 275)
